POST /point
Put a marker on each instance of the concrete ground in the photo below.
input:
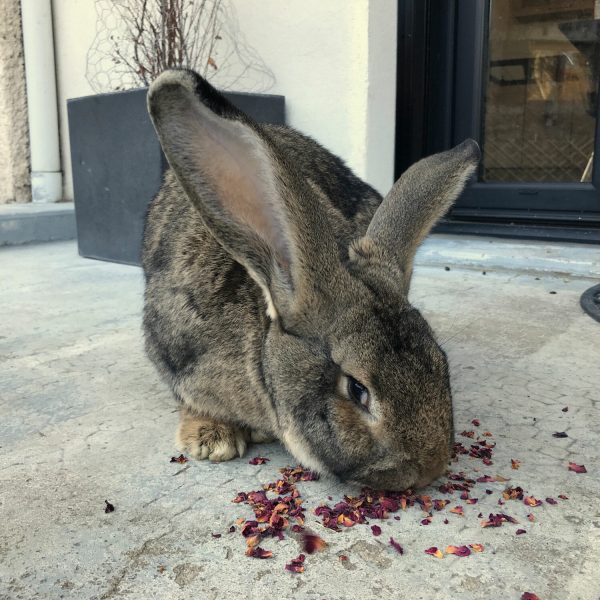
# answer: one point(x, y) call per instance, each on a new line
point(84, 418)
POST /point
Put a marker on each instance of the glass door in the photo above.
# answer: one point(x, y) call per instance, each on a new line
point(526, 87)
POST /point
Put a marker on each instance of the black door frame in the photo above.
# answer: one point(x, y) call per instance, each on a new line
point(441, 54)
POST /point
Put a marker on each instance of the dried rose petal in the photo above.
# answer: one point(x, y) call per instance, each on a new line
point(396, 546)
point(485, 479)
point(560, 434)
point(531, 501)
point(458, 550)
point(343, 557)
point(529, 596)
point(258, 552)
point(515, 493)
point(577, 468)
point(475, 422)
point(296, 565)
point(487, 433)
point(258, 460)
point(563, 497)
point(476, 547)
point(179, 459)
point(216, 535)
point(551, 501)
point(520, 531)
point(232, 529)
point(468, 434)
point(515, 464)
point(501, 479)
point(376, 530)
point(109, 507)
point(426, 521)
point(565, 409)
point(312, 543)
point(457, 510)
point(530, 517)
point(433, 551)
point(472, 500)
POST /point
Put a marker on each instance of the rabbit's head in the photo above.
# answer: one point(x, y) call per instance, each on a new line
point(358, 384)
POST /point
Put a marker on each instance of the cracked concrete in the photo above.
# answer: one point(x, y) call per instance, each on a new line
point(85, 418)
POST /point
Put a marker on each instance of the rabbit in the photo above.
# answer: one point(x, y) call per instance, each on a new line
point(276, 298)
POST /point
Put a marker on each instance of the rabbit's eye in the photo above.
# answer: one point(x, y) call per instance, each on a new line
point(358, 392)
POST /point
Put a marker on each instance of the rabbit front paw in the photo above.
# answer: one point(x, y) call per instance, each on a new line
point(206, 438)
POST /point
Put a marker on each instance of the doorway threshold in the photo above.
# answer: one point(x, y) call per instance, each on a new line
point(494, 254)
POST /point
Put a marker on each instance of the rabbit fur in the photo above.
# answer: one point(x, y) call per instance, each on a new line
point(276, 300)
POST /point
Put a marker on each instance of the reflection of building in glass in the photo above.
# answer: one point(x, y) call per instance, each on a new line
point(540, 103)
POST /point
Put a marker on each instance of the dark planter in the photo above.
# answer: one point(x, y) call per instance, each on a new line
point(118, 167)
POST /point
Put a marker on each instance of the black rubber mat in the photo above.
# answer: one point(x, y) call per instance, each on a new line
point(590, 302)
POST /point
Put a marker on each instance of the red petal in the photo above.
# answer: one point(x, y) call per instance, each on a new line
point(520, 531)
point(476, 547)
point(258, 460)
point(577, 468)
point(179, 459)
point(396, 546)
point(458, 550)
point(515, 464)
point(531, 501)
point(434, 551)
point(312, 543)
point(376, 530)
point(475, 422)
point(258, 552)
point(529, 596)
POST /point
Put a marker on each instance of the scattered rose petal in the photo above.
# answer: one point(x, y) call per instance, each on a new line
point(457, 510)
point(577, 468)
point(529, 596)
point(216, 535)
point(565, 409)
point(472, 500)
point(468, 434)
point(258, 460)
point(551, 501)
point(434, 551)
point(563, 497)
point(446, 521)
point(396, 546)
point(530, 517)
point(560, 434)
point(458, 550)
point(531, 501)
point(313, 543)
point(343, 557)
point(179, 459)
point(296, 565)
point(520, 531)
point(475, 422)
point(476, 547)
point(109, 507)
point(515, 464)
point(232, 529)
point(487, 433)
point(258, 552)
point(376, 530)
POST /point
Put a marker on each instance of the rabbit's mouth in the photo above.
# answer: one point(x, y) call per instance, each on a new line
point(406, 475)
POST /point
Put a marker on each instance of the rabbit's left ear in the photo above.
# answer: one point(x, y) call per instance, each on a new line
point(421, 196)
point(232, 177)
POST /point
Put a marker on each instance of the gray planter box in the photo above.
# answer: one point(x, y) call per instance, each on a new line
point(118, 167)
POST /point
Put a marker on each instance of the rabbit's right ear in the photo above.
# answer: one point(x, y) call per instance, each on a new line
point(229, 174)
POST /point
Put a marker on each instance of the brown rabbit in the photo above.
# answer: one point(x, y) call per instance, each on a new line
point(276, 294)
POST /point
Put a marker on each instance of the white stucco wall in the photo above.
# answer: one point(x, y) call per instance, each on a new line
point(334, 61)
point(14, 138)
